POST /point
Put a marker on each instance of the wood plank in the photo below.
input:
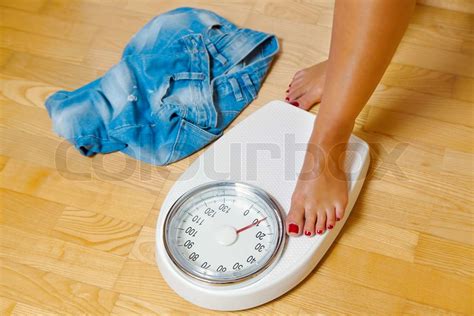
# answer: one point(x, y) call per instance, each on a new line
point(415, 282)
point(40, 45)
point(301, 34)
point(440, 18)
point(294, 11)
point(236, 11)
point(97, 15)
point(31, 286)
point(464, 89)
point(48, 26)
point(380, 238)
point(468, 47)
point(435, 206)
point(435, 59)
point(428, 184)
point(394, 209)
point(144, 281)
point(422, 197)
point(408, 126)
point(52, 73)
point(459, 163)
point(447, 39)
point(25, 309)
point(331, 295)
point(66, 259)
point(35, 119)
point(127, 305)
point(421, 80)
point(6, 306)
point(5, 55)
point(28, 213)
point(414, 308)
point(24, 92)
point(410, 154)
point(450, 223)
point(423, 105)
point(144, 247)
point(153, 216)
point(96, 231)
point(445, 255)
point(454, 5)
point(26, 5)
point(89, 194)
point(54, 153)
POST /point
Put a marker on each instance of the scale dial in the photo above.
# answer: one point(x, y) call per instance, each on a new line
point(224, 232)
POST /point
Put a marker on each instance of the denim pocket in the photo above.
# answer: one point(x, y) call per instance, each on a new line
point(190, 139)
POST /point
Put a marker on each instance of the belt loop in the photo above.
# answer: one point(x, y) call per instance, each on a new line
point(249, 85)
point(213, 51)
point(236, 88)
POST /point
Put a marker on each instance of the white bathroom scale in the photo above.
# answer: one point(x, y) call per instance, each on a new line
point(220, 241)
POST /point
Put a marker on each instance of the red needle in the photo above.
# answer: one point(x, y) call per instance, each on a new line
point(251, 225)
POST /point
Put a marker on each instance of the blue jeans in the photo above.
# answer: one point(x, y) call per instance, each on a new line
point(181, 80)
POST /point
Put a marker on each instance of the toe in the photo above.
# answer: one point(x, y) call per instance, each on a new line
point(294, 220)
point(321, 222)
point(295, 94)
point(294, 82)
point(299, 74)
point(330, 219)
point(340, 208)
point(307, 100)
point(309, 222)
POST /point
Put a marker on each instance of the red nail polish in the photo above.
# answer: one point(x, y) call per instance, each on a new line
point(293, 228)
point(287, 91)
point(320, 231)
point(307, 233)
point(338, 219)
point(287, 99)
point(295, 103)
point(330, 227)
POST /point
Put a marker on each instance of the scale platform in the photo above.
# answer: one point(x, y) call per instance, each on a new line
point(265, 151)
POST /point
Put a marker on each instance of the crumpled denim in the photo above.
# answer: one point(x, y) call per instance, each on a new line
point(181, 80)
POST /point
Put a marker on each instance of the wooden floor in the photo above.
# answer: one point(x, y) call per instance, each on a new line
point(77, 234)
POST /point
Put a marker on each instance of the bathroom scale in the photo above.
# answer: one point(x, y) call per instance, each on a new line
point(221, 241)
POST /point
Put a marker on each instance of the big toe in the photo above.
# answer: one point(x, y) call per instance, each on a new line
point(294, 220)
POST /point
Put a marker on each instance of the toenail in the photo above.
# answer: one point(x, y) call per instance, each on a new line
point(330, 227)
point(307, 233)
point(287, 99)
point(287, 90)
point(295, 103)
point(320, 231)
point(338, 219)
point(293, 228)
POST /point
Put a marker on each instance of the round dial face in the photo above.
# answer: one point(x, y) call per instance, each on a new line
point(224, 232)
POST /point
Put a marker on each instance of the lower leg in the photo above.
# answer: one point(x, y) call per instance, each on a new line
point(364, 38)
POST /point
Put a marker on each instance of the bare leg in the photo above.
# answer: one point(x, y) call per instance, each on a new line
point(364, 38)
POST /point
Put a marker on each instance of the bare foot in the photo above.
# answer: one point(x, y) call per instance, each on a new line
point(306, 88)
point(320, 196)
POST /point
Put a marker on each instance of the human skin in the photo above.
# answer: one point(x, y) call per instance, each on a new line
point(365, 35)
